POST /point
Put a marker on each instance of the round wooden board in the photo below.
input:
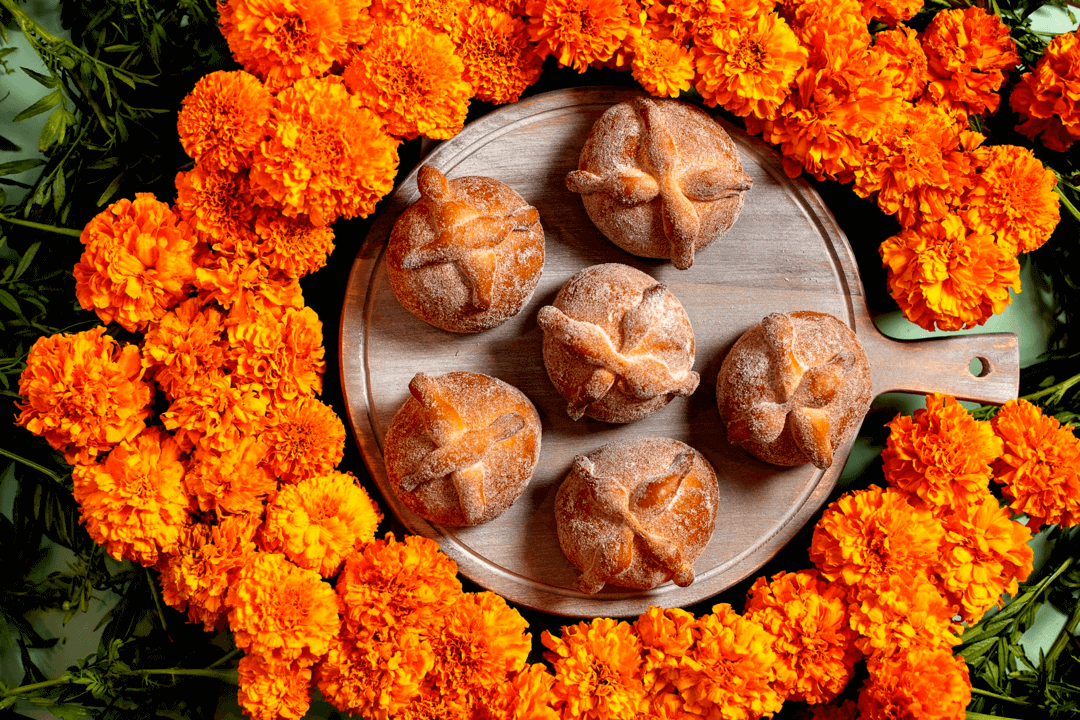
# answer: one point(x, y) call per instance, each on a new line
point(784, 253)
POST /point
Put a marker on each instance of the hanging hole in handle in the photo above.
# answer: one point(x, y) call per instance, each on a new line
point(979, 366)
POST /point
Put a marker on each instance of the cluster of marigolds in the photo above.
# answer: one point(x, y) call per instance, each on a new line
point(203, 452)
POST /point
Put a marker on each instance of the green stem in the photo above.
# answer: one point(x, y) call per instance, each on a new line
point(157, 601)
point(972, 715)
point(1068, 205)
point(224, 658)
point(38, 685)
point(41, 226)
point(229, 676)
point(1064, 636)
point(30, 464)
point(27, 24)
point(1006, 698)
point(1060, 389)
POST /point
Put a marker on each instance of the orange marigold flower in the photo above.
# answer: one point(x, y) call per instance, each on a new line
point(218, 206)
point(438, 16)
point(279, 610)
point(222, 119)
point(984, 554)
point(940, 274)
point(891, 12)
point(294, 247)
point(869, 535)
point(814, 643)
point(666, 636)
point(905, 62)
point(1012, 198)
point(847, 710)
point(1048, 97)
point(325, 156)
point(205, 566)
point(284, 357)
point(133, 503)
point(834, 31)
point(83, 393)
point(578, 32)
point(902, 613)
point(247, 289)
point(1040, 466)
point(499, 62)
point(413, 79)
point(682, 20)
point(375, 678)
point(661, 66)
point(596, 670)
point(137, 263)
point(731, 671)
point(391, 584)
point(184, 346)
point(231, 481)
point(303, 438)
point(211, 413)
point(749, 69)
point(527, 696)
point(941, 454)
point(272, 689)
point(923, 683)
point(282, 41)
point(319, 520)
point(967, 51)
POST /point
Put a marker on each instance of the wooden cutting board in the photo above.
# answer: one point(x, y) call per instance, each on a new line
point(784, 253)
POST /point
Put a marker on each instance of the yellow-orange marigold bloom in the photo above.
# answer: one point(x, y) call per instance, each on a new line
point(295, 246)
point(666, 636)
point(834, 31)
point(231, 481)
point(749, 69)
point(923, 683)
point(869, 535)
point(941, 454)
point(682, 20)
point(732, 668)
point(185, 346)
point(205, 566)
point(83, 393)
point(596, 670)
point(223, 118)
point(814, 644)
point(133, 503)
point(303, 438)
point(1012, 198)
point(319, 520)
point(272, 689)
point(984, 554)
point(413, 79)
point(942, 275)
point(218, 206)
point(1048, 97)
point(247, 289)
point(527, 696)
point(891, 12)
point(282, 41)
point(902, 613)
point(967, 52)
point(905, 62)
point(325, 156)
point(284, 357)
point(279, 610)
point(499, 61)
point(375, 678)
point(661, 66)
point(391, 584)
point(211, 413)
point(438, 16)
point(137, 263)
point(1040, 466)
point(578, 32)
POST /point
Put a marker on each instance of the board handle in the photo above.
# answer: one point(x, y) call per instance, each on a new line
point(983, 368)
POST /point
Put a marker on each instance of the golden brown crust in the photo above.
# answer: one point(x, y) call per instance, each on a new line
point(467, 255)
point(637, 513)
point(462, 449)
point(794, 388)
point(617, 344)
point(660, 178)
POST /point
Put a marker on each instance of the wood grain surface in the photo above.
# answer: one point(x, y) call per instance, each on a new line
point(784, 253)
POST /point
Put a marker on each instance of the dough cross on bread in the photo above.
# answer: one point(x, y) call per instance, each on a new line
point(644, 374)
point(803, 393)
point(459, 451)
point(464, 235)
point(628, 510)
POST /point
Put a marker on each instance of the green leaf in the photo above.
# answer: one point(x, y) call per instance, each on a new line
point(25, 260)
point(978, 649)
point(69, 711)
point(42, 105)
point(8, 146)
point(110, 190)
point(58, 191)
point(124, 78)
point(18, 166)
point(8, 301)
point(48, 81)
point(53, 129)
point(68, 62)
point(121, 48)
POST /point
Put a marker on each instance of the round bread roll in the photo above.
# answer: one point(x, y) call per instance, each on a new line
point(794, 387)
point(636, 513)
point(660, 178)
point(462, 449)
point(467, 255)
point(617, 344)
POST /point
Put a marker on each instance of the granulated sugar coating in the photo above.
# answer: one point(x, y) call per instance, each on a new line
point(794, 387)
point(637, 513)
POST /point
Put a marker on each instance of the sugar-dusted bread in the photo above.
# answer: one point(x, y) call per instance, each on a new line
point(467, 255)
point(617, 344)
point(636, 513)
point(660, 178)
point(794, 387)
point(462, 448)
